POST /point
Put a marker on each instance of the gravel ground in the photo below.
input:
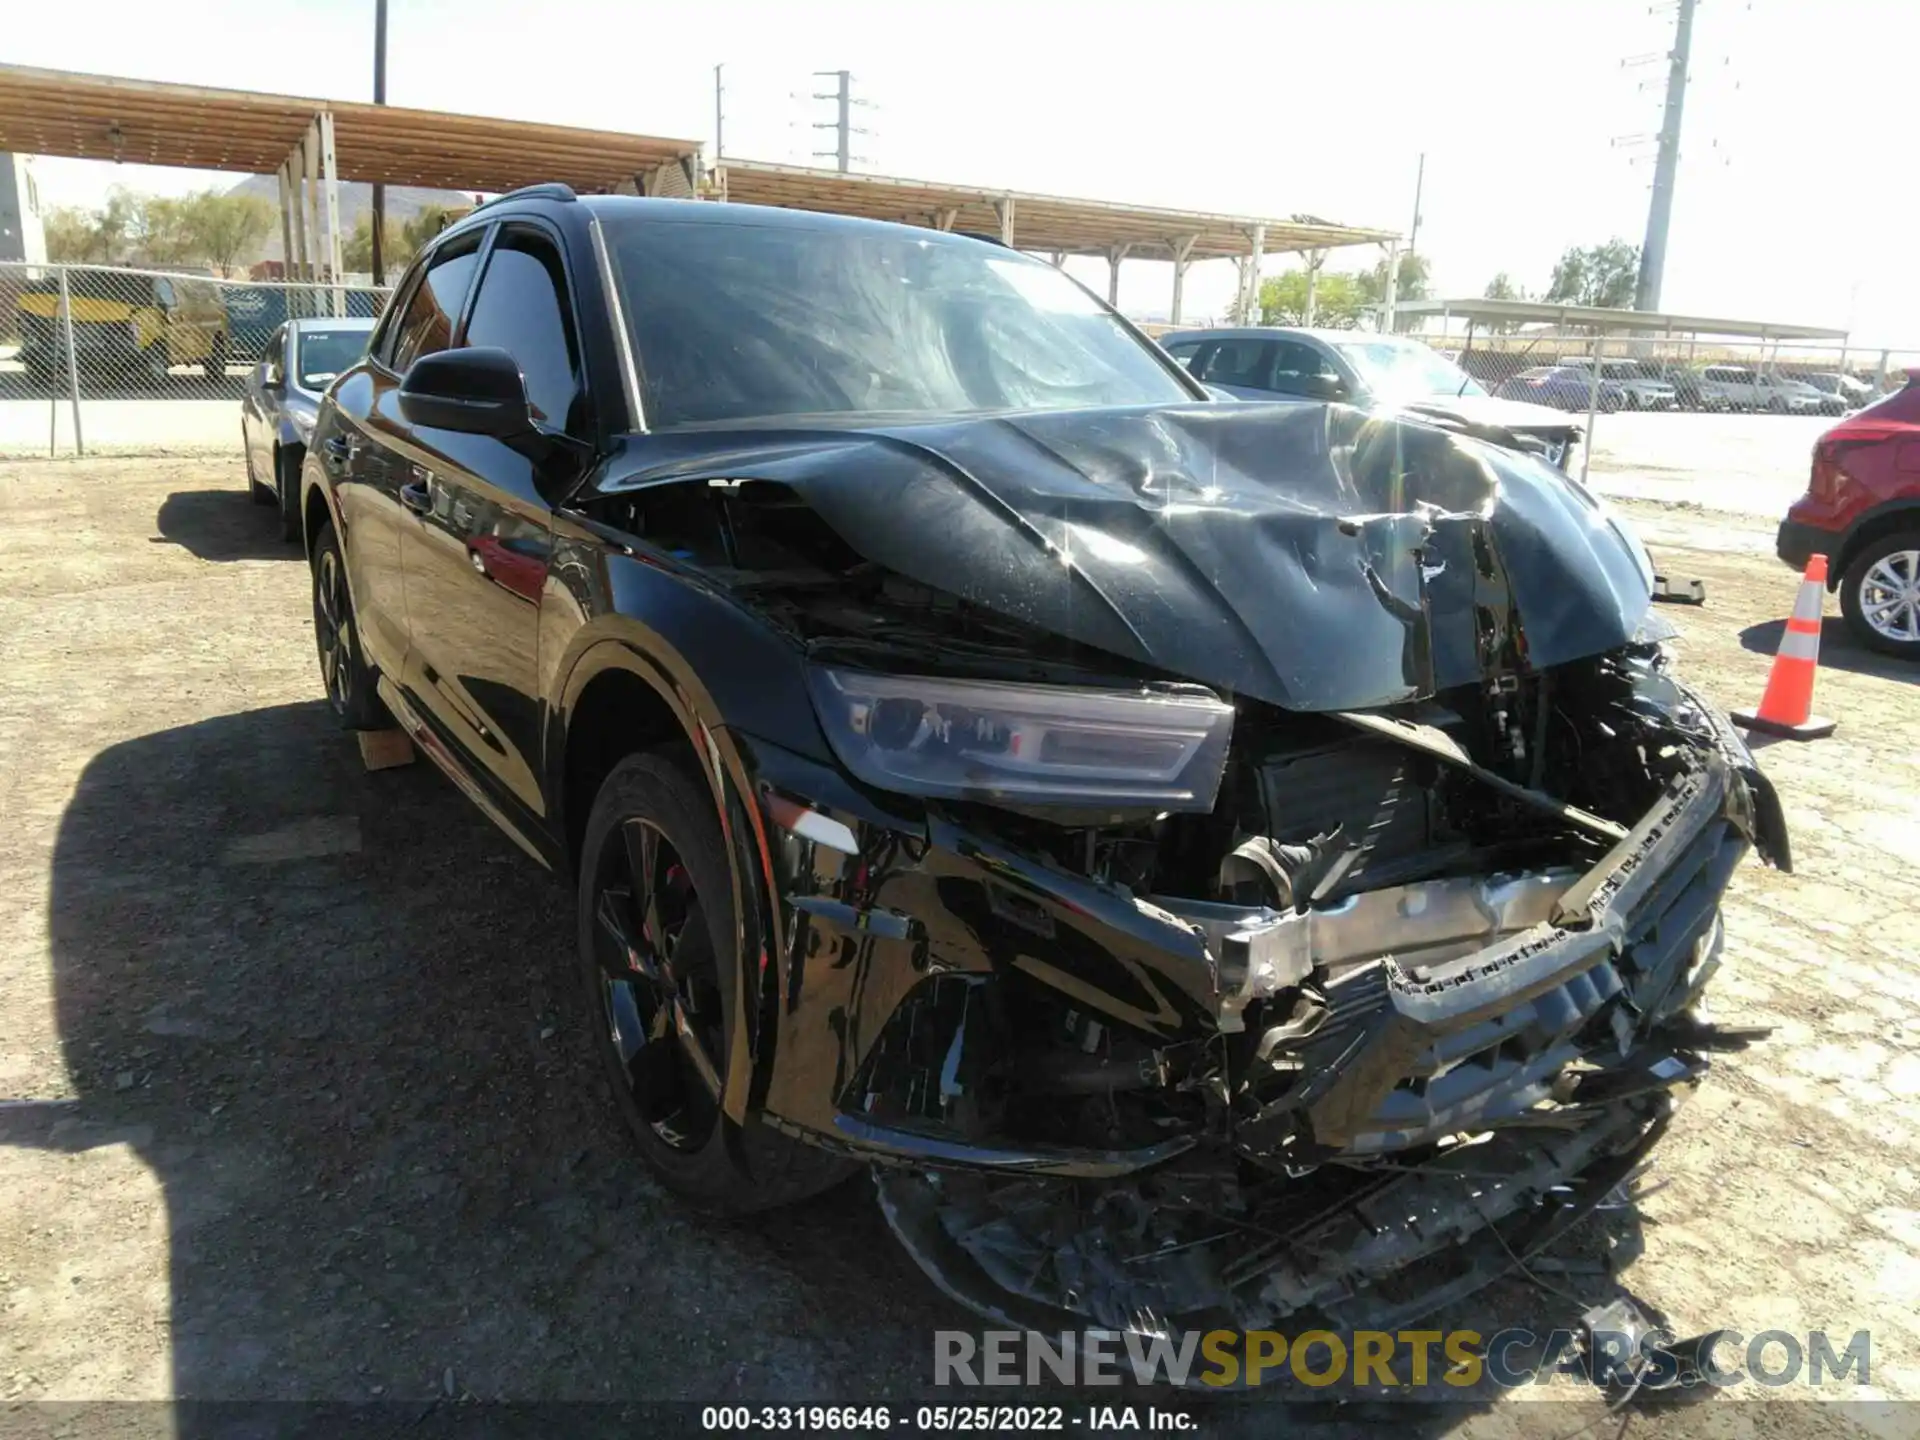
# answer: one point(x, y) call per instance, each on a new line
point(297, 1103)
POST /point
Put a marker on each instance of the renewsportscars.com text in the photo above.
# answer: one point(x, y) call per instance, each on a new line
point(1403, 1359)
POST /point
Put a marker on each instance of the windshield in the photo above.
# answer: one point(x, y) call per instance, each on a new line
point(325, 353)
point(735, 321)
point(1405, 369)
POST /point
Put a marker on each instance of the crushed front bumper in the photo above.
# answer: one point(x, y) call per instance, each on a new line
point(1407, 1054)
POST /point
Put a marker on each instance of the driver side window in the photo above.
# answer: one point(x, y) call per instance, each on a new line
point(522, 308)
point(428, 324)
point(1301, 370)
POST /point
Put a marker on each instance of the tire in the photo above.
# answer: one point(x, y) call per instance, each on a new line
point(653, 829)
point(153, 363)
point(344, 672)
point(256, 492)
point(1873, 574)
point(286, 491)
point(215, 363)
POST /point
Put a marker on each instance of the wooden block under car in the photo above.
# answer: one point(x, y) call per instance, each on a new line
point(384, 749)
point(1679, 592)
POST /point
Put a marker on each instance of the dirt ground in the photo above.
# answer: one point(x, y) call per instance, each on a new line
point(295, 1099)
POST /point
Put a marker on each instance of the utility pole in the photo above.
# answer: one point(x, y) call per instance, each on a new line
point(1653, 251)
point(378, 223)
point(719, 116)
point(1419, 181)
point(843, 150)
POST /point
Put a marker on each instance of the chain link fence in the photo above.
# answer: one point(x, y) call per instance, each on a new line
point(1556, 368)
point(127, 357)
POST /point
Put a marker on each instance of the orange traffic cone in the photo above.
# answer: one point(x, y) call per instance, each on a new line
point(1787, 707)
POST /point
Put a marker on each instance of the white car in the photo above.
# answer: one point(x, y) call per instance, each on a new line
point(1736, 387)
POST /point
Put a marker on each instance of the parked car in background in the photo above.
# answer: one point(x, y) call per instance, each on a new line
point(282, 396)
point(1564, 387)
point(1739, 387)
point(975, 752)
point(1369, 370)
point(254, 312)
point(1862, 511)
point(1841, 392)
point(1638, 389)
point(128, 325)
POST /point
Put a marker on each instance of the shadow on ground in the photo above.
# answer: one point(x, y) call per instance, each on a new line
point(223, 525)
point(1838, 649)
point(340, 1029)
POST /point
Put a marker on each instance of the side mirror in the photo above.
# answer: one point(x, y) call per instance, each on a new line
point(477, 391)
point(1325, 387)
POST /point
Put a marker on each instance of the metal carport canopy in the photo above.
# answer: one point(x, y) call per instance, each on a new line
point(1600, 317)
point(1046, 223)
point(102, 117)
point(1050, 224)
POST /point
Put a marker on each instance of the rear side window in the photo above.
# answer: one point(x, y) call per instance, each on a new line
point(522, 308)
point(1237, 362)
point(428, 324)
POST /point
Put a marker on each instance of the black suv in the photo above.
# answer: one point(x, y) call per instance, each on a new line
point(978, 752)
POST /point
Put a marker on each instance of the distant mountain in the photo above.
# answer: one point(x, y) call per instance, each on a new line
point(356, 199)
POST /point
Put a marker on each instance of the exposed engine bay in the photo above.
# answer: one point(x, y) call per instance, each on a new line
point(1421, 974)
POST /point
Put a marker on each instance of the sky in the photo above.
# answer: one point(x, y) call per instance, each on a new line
point(1536, 117)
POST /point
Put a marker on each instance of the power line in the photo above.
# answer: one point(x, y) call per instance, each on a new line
point(842, 124)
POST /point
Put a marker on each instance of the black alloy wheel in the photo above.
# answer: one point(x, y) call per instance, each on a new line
point(349, 680)
point(659, 986)
point(660, 966)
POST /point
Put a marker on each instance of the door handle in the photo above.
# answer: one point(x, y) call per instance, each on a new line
point(337, 449)
point(416, 498)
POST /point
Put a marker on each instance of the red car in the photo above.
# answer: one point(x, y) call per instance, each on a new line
point(1862, 511)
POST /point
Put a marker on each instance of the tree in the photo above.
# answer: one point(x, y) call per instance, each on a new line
point(95, 237)
point(1501, 287)
point(219, 228)
point(163, 230)
point(425, 223)
point(1337, 301)
point(1414, 271)
point(72, 236)
point(356, 251)
point(1602, 275)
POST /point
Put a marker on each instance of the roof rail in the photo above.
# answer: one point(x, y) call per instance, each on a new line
point(549, 190)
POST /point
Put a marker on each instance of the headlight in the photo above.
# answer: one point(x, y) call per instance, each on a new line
point(1037, 744)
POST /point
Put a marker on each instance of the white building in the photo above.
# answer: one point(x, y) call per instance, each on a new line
point(23, 235)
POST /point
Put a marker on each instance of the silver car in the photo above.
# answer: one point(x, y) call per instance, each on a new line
point(1739, 387)
point(282, 397)
point(1641, 391)
point(1373, 371)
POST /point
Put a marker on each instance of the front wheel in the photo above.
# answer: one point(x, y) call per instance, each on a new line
point(348, 678)
point(659, 961)
point(215, 363)
point(1880, 596)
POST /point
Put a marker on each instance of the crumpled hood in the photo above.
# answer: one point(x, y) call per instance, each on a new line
point(1313, 556)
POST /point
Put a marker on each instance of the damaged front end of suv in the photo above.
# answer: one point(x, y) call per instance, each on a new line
point(1265, 858)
